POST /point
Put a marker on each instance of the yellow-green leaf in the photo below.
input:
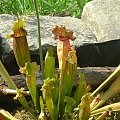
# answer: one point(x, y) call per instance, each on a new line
point(7, 115)
point(18, 24)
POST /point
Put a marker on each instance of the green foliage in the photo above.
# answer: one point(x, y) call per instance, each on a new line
point(81, 89)
point(49, 67)
point(58, 101)
point(15, 6)
point(4, 74)
point(47, 7)
point(70, 103)
point(5, 115)
point(50, 95)
point(84, 107)
point(29, 71)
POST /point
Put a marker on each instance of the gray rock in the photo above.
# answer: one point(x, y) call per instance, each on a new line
point(99, 54)
point(103, 18)
point(82, 33)
point(89, 51)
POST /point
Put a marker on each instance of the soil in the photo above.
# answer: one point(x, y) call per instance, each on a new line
point(18, 111)
point(15, 108)
point(23, 115)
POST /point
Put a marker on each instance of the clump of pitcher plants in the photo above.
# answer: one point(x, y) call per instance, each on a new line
point(58, 101)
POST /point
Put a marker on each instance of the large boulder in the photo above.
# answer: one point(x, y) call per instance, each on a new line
point(103, 18)
point(90, 52)
point(83, 34)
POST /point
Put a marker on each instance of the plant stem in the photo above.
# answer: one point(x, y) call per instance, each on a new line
point(4, 74)
point(39, 37)
point(112, 77)
point(7, 91)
